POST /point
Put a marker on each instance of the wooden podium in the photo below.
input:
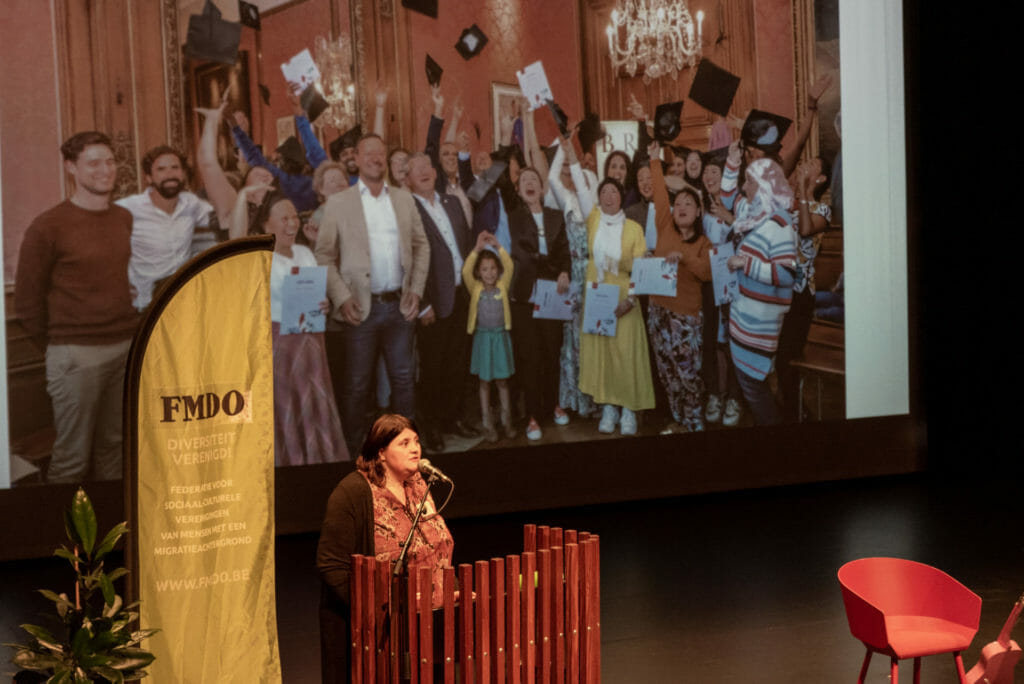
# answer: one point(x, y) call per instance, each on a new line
point(533, 617)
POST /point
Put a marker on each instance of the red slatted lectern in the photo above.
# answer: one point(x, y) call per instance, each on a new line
point(533, 618)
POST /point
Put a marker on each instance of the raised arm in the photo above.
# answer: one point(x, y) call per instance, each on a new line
point(453, 126)
point(218, 189)
point(791, 155)
point(238, 223)
point(534, 157)
point(315, 154)
point(381, 98)
point(584, 193)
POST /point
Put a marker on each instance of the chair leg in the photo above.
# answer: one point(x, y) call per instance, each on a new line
point(894, 670)
point(960, 667)
point(864, 667)
point(917, 671)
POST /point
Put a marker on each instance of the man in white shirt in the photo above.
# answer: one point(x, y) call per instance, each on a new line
point(165, 217)
point(442, 339)
point(371, 239)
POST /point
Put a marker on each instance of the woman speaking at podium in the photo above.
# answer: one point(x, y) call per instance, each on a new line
point(370, 513)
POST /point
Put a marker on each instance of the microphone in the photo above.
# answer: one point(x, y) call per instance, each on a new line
point(430, 470)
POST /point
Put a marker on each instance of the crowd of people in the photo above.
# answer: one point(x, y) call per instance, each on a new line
point(433, 258)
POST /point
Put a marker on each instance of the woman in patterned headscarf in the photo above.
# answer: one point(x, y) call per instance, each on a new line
point(765, 262)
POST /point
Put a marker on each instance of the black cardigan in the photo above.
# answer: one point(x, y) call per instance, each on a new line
point(530, 263)
point(347, 529)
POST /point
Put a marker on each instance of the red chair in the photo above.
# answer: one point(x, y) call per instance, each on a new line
point(908, 610)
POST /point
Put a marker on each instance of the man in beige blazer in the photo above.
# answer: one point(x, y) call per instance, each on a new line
point(371, 239)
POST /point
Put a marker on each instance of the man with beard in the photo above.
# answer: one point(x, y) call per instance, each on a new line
point(165, 219)
point(72, 296)
point(377, 256)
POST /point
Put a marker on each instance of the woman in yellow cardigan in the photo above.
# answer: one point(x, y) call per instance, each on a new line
point(487, 277)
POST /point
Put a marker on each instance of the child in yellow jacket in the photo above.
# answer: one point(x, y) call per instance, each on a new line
point(487, 276)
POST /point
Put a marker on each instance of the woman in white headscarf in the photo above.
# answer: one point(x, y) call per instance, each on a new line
point(615, 370)
point(765, 263)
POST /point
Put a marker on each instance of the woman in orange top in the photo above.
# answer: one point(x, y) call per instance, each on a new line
point(675, 324)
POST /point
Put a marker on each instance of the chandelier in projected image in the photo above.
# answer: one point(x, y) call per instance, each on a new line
point(657, 36)
point(334, 60)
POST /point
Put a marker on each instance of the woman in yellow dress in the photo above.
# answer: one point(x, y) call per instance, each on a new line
point(615, 370)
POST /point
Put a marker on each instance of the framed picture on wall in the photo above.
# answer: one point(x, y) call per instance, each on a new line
point(505, 100)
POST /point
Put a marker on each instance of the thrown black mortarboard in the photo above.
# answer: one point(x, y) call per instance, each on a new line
point(590, 131)
point(425, 7)
point(714, 88)
point(482, 185)
point(291, 149)
point(764, 130)
point(249, 14)
point(264, 93)
point(434, 71)
point(561, 118)
point(211, 38)
point(716, 157)
point(666, 121)
point(347, 139)
point(312, 102)
point(471, 42)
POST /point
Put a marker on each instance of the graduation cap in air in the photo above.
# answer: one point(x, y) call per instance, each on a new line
point(347, 139)
point(471, 42)
point(561, 118)
point(212, 38)
point(424, 7)
point(249, 14)
point(716, 157)
point(666, 121)
point(434, 71)
point(312, 102)
point(590, 131)
point(714, 88)
point(764, 130)
point(482, 185)
point(291, 150)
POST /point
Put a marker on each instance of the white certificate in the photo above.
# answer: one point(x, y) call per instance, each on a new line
point(599, 307)
point(301, 71)
point(548, 303)
point(727, 286)
point(654, 276)
point(302, 290)
point(534, 84)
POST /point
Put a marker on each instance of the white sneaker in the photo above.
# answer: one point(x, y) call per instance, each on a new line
point(609, 418)
point(561, 416)
point(628, 423)
point(533, 432)
point(732, 413)
point(713, 411)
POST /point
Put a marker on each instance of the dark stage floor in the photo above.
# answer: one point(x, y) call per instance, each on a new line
point(721, 588)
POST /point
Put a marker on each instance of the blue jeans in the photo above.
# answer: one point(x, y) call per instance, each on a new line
point(760, 399)
point(385, 331)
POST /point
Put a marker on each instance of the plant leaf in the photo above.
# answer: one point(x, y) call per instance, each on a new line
point(107, 587)
point(44, 637)
point(83, 517)
point(30, 660)
point(64, 553)
point(59, 599)
point(141, 635)
point(117, 573)
point(111, 610)
point(128, 658)
point(110, 541)
point(110, 673)
point(80, 642)
point(62, 677)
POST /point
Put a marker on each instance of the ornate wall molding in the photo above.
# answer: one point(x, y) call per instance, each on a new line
point(174, 87)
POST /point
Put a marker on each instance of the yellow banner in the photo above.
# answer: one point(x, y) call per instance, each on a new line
point(204, 501)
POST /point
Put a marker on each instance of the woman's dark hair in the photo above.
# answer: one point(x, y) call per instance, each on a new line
point(487, 254)
point(383, 431)
point(686, 175)
point(626, 160)
point(618, 187)
point(698, 222)
point(826, 171)
point(532, 170)
point(245, 178)
point(272, 198)
point(391, 155)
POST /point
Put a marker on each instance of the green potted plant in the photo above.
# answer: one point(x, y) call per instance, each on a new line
point(94, 640)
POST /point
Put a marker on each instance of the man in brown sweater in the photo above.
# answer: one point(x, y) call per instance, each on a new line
point(72, 296)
